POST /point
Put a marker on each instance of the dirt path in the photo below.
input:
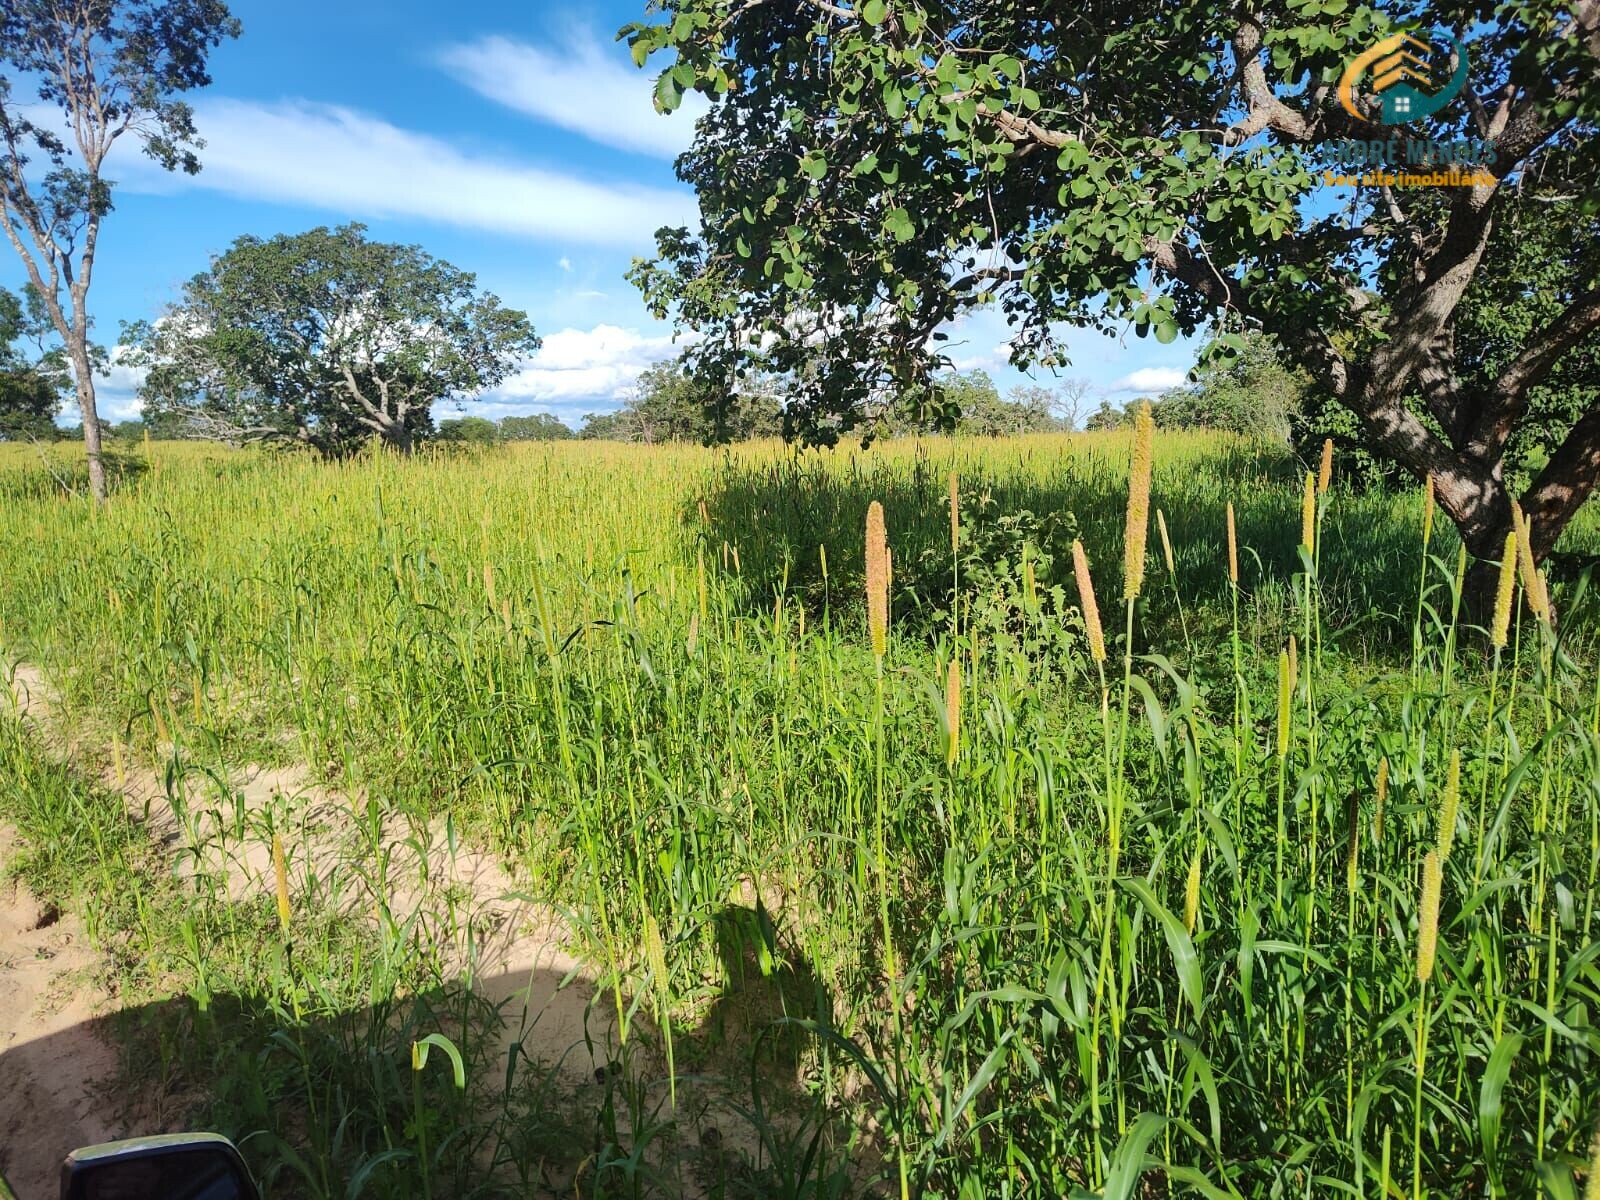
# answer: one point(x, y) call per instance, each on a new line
point(58, 1076)
point(48, 1002)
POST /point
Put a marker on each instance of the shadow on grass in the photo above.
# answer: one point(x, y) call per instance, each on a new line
point(554, 1103)
point(784, 518)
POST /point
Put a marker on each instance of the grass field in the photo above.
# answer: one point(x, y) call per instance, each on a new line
point(1276, 880)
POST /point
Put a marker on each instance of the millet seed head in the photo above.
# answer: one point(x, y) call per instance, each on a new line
point(1503, 593)
point(1138, 527)
point(1428, 916)
point(877, 580)
point(1091, 610)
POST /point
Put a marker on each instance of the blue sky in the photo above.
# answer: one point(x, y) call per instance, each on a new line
point(516, 140)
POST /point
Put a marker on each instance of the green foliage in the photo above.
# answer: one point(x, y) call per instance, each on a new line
point(969, 404)
point(670, 402)
point(1251, 391)
point(476, 431)
point(868, 174)
point(1009, 582)
point(538, 427)
point(326, 339)
point(31, 384)
point(642, 676)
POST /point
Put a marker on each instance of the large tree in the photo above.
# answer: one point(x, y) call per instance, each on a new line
point(30, 383)
point(871, 170)
point(325, 338)
point(99, 70)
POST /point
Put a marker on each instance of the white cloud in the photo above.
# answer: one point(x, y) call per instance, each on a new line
point(592, 89)
point(564, 263)
point(118, 376)
point(578, 367)
point(1150, 379)
point(359, 166)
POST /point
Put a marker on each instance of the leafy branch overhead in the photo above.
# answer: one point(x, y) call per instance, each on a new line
point(868, 173)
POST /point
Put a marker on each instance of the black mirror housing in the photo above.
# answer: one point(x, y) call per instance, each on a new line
point(182, 1166)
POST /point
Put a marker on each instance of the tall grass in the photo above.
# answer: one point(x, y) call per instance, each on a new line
point(1064, 932)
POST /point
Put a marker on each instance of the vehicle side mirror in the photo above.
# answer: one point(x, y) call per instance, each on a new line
point(183, 1166)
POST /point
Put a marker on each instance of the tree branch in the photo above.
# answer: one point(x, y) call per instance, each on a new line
point(1568, 479)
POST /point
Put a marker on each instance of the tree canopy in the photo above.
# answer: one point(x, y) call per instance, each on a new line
point(102, 70)
point(29, 388)
point(868, 172)
point(325, 338)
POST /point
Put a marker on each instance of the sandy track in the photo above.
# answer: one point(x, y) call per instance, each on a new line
point(58, 1075)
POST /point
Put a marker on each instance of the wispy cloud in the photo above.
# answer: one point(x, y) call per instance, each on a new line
point(582, 85)
point(360, 166)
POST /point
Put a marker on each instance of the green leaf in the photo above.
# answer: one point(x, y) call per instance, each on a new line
point(1185, 960)
point(874, 12)
point(1494, 1082)
point(1128, 1164)
point(419, 1056)
point(668, 97)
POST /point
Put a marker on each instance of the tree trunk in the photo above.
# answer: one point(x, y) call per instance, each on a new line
point(398, 436)
point(83, 378)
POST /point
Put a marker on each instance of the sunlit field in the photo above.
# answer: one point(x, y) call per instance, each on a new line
point(1274, 877)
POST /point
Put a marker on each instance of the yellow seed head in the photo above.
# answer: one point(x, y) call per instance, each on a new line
point(1502, 596)
point(1532, 582)
point(1428, 917)
point(1294, 663)
point(1325, 470)
point(1191, 893)
point(1285, 690)
point(280, 877)
point(877, 580)
point(1233, 548)
point(1383, 795)
point(1138, 527)
point(822, 553)
point(1427, 509)
point(1591, 1189)
point(1308, 513)
point(952, 711)
point(1166, 543)
point(955, 514)
point(1449, 807)
point(655, 953)
point(1353, 862)
point(700, 581)
point(1091, 610)
point(488, 583)
point(1545, 610)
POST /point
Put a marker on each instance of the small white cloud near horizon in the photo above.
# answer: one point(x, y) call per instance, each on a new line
point(581, 85)
point(1150, 379)
point(359, 166)
point(577, 367)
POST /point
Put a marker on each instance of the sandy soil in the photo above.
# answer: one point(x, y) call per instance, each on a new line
point(58, 1076)
point(55, 1070)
